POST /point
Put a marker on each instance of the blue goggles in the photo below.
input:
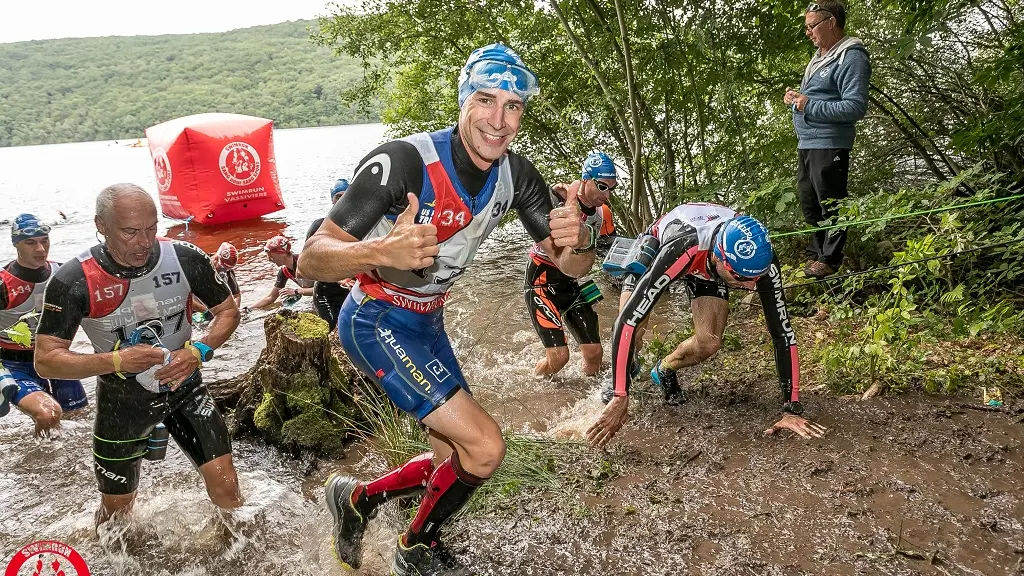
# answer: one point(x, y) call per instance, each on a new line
point(489, 74)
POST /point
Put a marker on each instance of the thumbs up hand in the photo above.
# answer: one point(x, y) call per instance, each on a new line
point(411, 246)
point(567, 230)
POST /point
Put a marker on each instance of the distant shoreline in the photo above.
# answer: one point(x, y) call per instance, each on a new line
point(114, 87)
point(125, 142)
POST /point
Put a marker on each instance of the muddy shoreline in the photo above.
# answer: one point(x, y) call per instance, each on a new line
point(902, 485)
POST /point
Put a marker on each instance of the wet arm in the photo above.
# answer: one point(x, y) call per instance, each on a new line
point(673, 261)
point(64, 307)
point(267, 300)
point(787, 361)
point(337, 251)
point(212, 291)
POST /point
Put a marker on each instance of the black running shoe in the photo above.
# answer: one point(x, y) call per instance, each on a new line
point(349, 524)
point(423, 560)
point(671, 392)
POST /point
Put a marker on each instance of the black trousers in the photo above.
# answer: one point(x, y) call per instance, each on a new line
point(821, 180)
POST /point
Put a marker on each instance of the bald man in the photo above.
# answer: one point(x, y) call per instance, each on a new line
point(131, 294)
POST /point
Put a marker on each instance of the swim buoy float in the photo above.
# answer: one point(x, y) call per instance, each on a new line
point(215, 168)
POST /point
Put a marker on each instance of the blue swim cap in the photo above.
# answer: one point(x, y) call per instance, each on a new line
point(27, 226)
point(497, 66)
point(598, 165)
point(340, 186)
point(743, 245)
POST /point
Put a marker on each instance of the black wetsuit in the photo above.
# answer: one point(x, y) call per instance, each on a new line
point(554, 299)
point(228, 276)
point(109, 301)
point(685, 236)
point(328, 296)
point(392, 323)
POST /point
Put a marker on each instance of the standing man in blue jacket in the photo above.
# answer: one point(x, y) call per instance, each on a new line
point(832, 97)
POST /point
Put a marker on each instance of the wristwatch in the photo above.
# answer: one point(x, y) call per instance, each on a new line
point(205, 352)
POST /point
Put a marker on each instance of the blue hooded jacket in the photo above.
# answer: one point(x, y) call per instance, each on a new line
point(837, 90)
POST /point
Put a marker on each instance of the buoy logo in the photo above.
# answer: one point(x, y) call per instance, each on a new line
point(47, 557)
point(239, 163)
point(162, 169)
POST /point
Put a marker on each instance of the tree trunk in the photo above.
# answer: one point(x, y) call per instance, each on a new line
point(300, 394)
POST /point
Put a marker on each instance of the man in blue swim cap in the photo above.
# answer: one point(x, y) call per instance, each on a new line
point(407, 228)
point(712, 248)
point(555, 301)
point(22, 283)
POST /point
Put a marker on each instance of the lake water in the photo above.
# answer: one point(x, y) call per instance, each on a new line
point(48, 488)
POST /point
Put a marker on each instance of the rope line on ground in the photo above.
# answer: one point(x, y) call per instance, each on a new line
point(894, 266)
point(896, 216)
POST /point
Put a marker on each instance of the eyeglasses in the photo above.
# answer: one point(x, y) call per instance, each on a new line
point(604, 187)
point(816, 24)
point(815, 7)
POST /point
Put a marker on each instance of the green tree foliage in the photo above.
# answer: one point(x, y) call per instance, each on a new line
point(110, 88)
point(687, 95)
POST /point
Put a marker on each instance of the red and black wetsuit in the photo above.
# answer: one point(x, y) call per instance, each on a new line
point(686, 234)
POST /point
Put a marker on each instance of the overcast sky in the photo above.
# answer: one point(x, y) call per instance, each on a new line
point(40, 19)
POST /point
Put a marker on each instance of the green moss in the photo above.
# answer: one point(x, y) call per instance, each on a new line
point(313, 430)
point(339, 380)
point(306, 394)
point(309, 326)
point(266, 416)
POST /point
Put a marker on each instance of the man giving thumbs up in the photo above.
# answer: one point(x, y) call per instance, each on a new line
point(407, 228)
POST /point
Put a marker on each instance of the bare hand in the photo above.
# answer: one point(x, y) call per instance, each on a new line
point(794, 97)
point(288, 292)
point(805, 428)
point(567, 230)
point(608, 424)
point(183, 363)
point(137, 359)
point(411, 246)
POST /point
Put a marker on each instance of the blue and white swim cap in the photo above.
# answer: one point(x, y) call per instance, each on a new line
point(27, 226)
point(497, 66)
point(599, 165)
point(743, 245)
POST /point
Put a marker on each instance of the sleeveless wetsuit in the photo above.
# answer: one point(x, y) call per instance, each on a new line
point(21, 302)
point(392, 323)
point(109, 301)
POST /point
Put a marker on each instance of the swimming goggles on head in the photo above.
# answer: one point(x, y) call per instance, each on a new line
point(489, 74)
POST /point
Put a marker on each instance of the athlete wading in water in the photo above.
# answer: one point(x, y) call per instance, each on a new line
point(22, 282)
point(406, 229)
point(556, 301)
point(132, 293)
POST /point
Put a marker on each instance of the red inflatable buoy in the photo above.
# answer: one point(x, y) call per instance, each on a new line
point(215, 168)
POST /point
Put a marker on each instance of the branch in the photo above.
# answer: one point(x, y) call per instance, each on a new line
point(598, 75)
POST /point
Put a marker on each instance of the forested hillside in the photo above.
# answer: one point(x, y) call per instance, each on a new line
point(78, 89)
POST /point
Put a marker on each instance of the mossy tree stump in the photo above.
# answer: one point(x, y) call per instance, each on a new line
point(299, 394)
